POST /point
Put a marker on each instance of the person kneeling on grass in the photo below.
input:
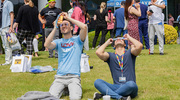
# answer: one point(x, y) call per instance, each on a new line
point(69, 54)
point(122, 67)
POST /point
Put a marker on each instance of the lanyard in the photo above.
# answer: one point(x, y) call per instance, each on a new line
point(120, 63)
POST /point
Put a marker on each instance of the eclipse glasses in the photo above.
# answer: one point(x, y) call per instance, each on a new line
point(121, 38)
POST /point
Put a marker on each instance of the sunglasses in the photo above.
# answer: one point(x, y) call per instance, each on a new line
point(121, 38)
point(65, 24)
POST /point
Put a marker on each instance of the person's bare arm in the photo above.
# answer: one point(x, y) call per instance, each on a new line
point(12, 20)
point(136, 47)
point(48, 43)
point(100, 51)
point(160, 6)
point(95, 17)
point(82, 26)
point(137, 10)
point(43, 21)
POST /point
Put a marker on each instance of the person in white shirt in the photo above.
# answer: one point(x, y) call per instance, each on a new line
point(178, 20)
point(70, 10)
point(156, 22)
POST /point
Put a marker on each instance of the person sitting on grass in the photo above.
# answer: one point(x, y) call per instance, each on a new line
point(69, 54)
point(122, 67)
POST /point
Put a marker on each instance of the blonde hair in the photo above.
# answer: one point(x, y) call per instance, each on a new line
point(102, 6)
point(31, 4)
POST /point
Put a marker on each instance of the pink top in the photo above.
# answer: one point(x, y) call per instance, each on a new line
point(78, 15)
point(171, 20)
point(111, 24)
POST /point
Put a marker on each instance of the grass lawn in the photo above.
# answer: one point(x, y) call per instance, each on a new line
point(157, 76)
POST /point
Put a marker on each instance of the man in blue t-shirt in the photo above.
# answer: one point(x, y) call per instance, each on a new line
point(122, 67)
point(69, 54)
point(120, 23)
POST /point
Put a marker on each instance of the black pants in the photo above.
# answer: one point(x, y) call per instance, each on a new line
point(112, 34)
point(29, 36)
point(97, 31)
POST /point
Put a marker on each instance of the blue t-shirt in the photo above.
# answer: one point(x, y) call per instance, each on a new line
point(69, 55)
point(7, 9)
point(128, 67)
point(119, 15)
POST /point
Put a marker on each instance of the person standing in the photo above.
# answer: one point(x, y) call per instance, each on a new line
point(110, 22)
point(50, 13)
point(171, 20)
point(132, 14)
point(27, 23)
point(6, 21)
point(143, 24)
point(87, 22)
point(78, 14)
point(122, 67)
point(101, 17)
point(35, 45)
point(69, 49)
point(178, 20)
point(1, 50)
point(70, 11)
point(156, 24)
point(119, 16)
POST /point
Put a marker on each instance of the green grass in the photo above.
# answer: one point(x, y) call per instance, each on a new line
point(158, 77)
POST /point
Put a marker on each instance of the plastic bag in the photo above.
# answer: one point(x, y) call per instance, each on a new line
point(41, 69)
point(19, 64)
point(84, 63)
point(16, 46)
point(11, 37)
point(14, 43)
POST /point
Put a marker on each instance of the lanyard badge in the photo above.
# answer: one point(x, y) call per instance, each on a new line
point(121, 79)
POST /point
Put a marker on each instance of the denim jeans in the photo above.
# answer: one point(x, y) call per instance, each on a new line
point(116, 91)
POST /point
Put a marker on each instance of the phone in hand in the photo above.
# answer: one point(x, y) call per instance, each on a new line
point(151, 11)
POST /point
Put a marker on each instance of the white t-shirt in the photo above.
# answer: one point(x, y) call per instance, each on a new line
point(70, 12)
point(157, 16)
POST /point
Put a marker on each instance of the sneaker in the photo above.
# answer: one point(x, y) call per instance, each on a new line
point(97, 96)
point(91, 67)
point(5, 64)
point(92, 47)
point(126, 98)
point(98, 46)
point(151, 53)
point(50, 57)
point(161, 53)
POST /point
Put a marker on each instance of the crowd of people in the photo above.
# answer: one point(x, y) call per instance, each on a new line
point(143, 21)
